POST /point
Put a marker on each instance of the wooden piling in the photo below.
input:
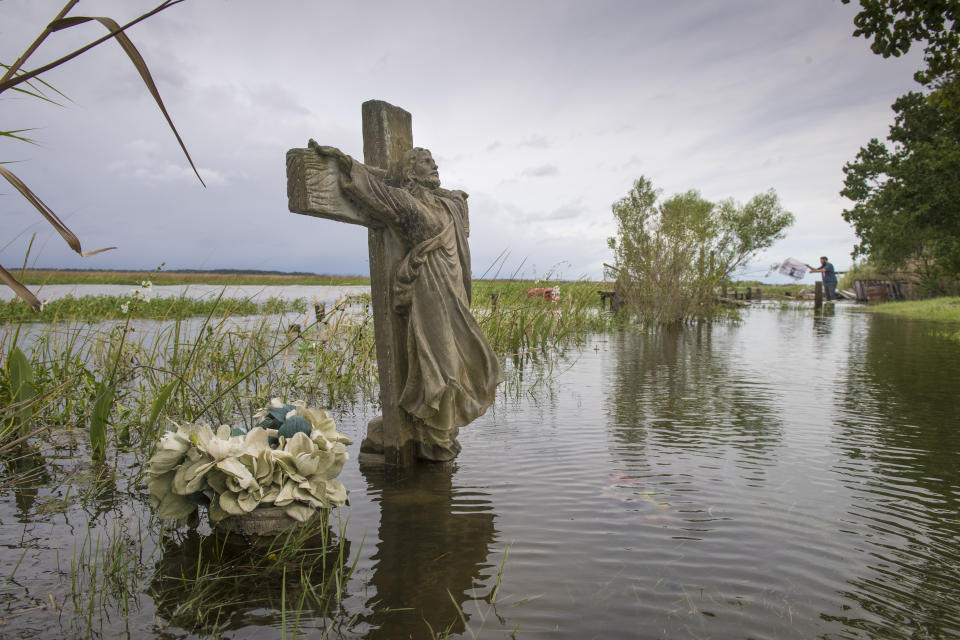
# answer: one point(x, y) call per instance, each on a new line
point(818, 295)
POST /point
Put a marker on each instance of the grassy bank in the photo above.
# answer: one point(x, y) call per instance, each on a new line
point(56, 276)
point(944, 309)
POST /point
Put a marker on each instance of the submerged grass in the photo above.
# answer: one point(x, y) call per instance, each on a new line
point(207, 584)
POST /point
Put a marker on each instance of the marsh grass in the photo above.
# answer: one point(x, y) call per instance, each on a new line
point(218, 368)
point(103, 308)
point(517, 324)
point(123, 380)
point(208, 583)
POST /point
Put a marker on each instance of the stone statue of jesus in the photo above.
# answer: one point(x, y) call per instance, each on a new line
point(452, 371)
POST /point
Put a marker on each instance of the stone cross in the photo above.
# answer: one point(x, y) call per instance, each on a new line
point(313, 189)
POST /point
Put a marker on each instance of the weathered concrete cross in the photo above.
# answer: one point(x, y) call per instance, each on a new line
point(313, 189)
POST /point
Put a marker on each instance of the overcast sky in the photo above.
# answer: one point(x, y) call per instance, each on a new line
point(545, 112)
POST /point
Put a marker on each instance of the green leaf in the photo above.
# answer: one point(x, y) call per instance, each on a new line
point(98, 421)
point(22, 389)
point(19, 370)
point(159, 403)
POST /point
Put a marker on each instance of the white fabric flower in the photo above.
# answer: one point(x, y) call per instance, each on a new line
point(238, 473)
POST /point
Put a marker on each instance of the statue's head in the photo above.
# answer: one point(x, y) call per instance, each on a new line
point(418, 167)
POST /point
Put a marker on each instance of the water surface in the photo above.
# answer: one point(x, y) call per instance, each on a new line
point(791, 476)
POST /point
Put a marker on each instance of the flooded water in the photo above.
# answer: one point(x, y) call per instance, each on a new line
point(790, 476)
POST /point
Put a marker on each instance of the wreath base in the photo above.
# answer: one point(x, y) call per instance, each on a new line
point(262, 521)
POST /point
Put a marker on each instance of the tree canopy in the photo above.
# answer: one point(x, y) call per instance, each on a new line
point(895, 25)
point(906, 193)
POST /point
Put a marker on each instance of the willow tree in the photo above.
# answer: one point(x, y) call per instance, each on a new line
point(670, 255)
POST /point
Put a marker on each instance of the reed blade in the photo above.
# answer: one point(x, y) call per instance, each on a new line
point(48, 213)
point(127, 45)
point(22, 292)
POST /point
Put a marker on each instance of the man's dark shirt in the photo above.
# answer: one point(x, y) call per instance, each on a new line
point(829, 275)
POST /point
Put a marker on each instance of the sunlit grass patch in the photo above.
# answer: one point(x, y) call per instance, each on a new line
point(946, 309)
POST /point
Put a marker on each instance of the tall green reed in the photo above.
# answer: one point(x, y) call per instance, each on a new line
point(125, 380)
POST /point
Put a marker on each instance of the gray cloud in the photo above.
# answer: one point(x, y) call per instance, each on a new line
point(540, 171)
point(730, 100)
point(535, 141)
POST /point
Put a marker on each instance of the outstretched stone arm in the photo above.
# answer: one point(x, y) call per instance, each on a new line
point(367, 187)
point(343, 160)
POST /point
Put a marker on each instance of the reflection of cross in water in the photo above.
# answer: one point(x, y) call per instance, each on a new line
point(313, 188)
point(434, 543)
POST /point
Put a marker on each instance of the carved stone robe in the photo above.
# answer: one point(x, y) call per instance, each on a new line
point(452, 371)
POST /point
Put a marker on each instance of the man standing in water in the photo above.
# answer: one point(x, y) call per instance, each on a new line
point(829, 276)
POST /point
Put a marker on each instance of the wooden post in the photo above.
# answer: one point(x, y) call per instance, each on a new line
point(758, 294)
point(494, 300)
point(749, 293)
point(818, 295)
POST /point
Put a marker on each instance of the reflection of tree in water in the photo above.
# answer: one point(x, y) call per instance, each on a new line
point(900, 436)
point(674, 386)
point(213, 583)
point(434, 542)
